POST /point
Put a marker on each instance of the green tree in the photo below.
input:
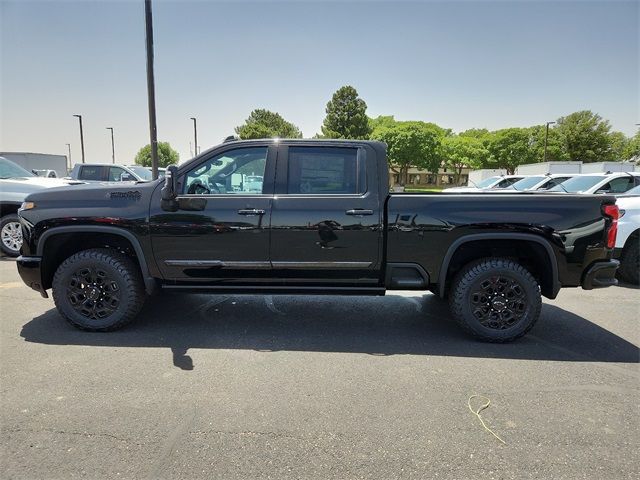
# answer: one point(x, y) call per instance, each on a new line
point(632, 149)
point(460, 151)
point(410, 144)
point(555, 146)
point(511, 147)
point(346, 116)
point(266, 124)
point(586, 136)
point(619, 143)
point(166, 155)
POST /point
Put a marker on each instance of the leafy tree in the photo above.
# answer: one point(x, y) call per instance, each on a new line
point(555, 146)
point(462, 151)
point(266, 124)
point(346, 116)
point(410, 144)
point(511, 147)
point(619, 143)
point(586, 136)
point(166, 155)
point(632, 149)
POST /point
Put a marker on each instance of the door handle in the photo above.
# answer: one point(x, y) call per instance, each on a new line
point(359, 212)
point(250, 211)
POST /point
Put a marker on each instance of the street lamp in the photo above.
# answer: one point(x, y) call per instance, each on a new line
point(69, 148)
point(113, 149)
point(546, 136)
point(81, 136)
point(195, 136)
point(151, 88)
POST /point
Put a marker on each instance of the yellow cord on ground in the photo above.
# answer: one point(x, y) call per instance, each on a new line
point(477, 414)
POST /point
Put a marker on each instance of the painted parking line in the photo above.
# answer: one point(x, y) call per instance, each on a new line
point(11, 285)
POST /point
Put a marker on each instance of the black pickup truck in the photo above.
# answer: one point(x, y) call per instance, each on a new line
point(310, 217)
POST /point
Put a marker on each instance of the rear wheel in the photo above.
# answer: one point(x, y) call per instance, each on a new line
point(98, 290)
point(495, 299)
point(10, 235)
point(629, 270)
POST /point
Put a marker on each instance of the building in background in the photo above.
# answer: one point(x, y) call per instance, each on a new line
point(39, 161)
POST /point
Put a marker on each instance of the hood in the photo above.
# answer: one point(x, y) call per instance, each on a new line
point(16, 189)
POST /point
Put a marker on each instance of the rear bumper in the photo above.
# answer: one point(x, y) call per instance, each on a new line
point(601, 274)
point(30, 272)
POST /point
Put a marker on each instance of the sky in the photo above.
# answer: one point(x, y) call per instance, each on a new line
point(471, 64)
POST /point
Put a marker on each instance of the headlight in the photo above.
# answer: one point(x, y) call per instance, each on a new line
point(27, 206)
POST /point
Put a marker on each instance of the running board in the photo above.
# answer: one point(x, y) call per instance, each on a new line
point(278, 289)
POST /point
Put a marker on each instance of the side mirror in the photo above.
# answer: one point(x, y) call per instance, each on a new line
point(170, 189)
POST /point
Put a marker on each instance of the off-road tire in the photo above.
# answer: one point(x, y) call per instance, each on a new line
point(464, 299)
point(11, 218)
point(629, 270)
point(114, 266)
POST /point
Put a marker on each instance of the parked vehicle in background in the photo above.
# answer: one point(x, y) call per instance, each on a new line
point(628, 239)
point(95, 172)
point(498, 181)
point(322, 222)
point(539, 182)
point(612, 183)
point(15, 184)
point(44, 173)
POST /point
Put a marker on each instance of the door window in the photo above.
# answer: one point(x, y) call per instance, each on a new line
point(115, 174)
point(90, 172)
point(325, 170)
point(618, 185)
point(239, 171)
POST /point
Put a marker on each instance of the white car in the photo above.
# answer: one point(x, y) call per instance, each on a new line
point(499, 181)
point(540, 182)
point(613, 183)
point(628, 238)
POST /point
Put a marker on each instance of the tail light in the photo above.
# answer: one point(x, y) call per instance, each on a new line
point(613, 213)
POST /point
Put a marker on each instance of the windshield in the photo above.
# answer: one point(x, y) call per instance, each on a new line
point(8, 169)
point(487, 182)
point(143, 172)
point(578, 184)
point(527, 183)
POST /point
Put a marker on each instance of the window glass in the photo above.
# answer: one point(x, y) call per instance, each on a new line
point(578, 184)
point(618, 185)
point(325, 170)
point(8, 169)
point(90, 172)
point(487, 182)
point(239, 171)
point(115, 174)
point(527, 183)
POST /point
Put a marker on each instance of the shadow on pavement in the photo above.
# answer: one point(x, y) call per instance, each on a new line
point(391, 325)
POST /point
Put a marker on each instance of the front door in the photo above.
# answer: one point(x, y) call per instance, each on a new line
point(221, 228)
point(326, 220)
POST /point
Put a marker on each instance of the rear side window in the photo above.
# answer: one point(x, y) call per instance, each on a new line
point(325, 170)
point(90, 172)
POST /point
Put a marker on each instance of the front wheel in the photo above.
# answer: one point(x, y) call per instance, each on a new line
point(10, 235)
point(495, 299)
point(98, 290)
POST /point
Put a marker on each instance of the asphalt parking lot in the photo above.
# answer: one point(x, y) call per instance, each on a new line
point(317, 387)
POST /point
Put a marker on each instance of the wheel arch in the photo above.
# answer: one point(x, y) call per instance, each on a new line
point(89, 236)
point(456, 257)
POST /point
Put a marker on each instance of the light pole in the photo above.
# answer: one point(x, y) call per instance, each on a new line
point(113, 148)
point(81, 136)
point(195, 136)
point(151, 89)
point(546, 137)
point(69, 149)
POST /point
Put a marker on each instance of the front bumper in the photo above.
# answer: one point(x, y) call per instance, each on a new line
point(31, 273)
point(601, 274)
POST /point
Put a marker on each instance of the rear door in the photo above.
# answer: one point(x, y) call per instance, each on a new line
point(326, 220)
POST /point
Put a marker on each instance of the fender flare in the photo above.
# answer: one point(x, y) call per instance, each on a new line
point(444, 267)
point(149, 281)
